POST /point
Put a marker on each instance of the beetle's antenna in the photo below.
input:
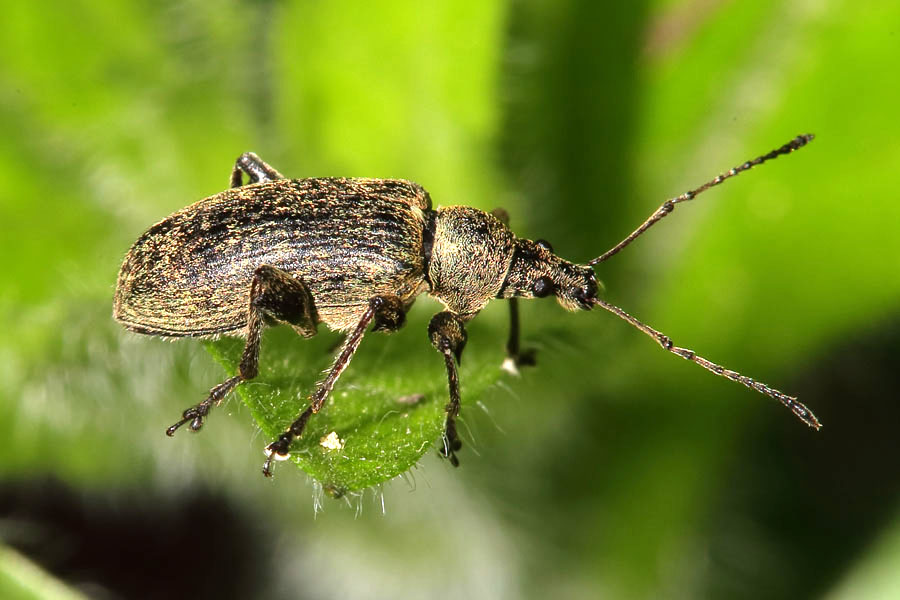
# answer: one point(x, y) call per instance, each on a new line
point(663, 340)
point(669, 205)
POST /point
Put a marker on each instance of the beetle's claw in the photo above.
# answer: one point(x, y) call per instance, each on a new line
point(194, 415)
point(173, 428)
point(170, 431)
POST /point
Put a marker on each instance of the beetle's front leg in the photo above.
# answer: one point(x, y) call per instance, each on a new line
point(275, 294)
point(515, 356)
point(448, 335)
point(256, 169)
point(387, 314)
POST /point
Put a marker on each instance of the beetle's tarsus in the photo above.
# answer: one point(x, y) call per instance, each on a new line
point(190, 415)
point(452, 443)
point(267, 466)
point(277, 450)
point(170, 431)
point(195, 414)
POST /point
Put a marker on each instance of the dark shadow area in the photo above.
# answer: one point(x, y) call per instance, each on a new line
point(133, 545)
point(809, 508)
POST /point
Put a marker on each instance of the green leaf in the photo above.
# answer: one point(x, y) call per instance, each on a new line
point(386, 410)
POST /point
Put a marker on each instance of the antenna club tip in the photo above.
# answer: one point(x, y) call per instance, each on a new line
point(805, 415)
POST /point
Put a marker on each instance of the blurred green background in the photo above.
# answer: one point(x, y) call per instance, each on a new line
point(611, 469)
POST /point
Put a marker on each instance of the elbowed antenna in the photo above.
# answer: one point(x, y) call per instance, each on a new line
point(669, 205)
point(796, 407)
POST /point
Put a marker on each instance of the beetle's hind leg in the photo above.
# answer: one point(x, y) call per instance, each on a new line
point(274, 295)
point(256, 169)
point(387, 312)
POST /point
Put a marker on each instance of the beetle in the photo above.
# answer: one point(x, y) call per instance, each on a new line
point(350, 253)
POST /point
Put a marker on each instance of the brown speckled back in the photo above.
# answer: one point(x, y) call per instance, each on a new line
point(347, 239)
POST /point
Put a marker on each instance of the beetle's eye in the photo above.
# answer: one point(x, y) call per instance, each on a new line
point(585, 296)
point(545, 245)
point(542, 287)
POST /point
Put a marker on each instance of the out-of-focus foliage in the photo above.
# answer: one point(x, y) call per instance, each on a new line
point(610, 468)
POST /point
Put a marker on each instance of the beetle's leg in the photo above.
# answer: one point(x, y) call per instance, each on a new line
point(255, 168)
point(448, 335)
point(387, 314)
point(274, 295)
point(515, 357)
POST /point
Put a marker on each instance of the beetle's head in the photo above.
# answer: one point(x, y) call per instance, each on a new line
point(536, 272)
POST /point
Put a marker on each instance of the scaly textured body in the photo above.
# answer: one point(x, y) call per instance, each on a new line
point(347, 239)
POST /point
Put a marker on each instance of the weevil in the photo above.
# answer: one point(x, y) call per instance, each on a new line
point(354, 253)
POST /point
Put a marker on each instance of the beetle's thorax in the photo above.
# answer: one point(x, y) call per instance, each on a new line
point(470, 256)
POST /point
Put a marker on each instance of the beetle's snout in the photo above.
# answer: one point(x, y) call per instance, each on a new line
point(536, 272)
point(580, 288)
point(585, 294)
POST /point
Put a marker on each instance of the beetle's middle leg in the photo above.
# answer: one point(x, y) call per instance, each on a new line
point(388, 314)
point(274, 296)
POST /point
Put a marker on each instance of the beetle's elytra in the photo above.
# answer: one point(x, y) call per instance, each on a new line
point(350, 253)
point(346, 240)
